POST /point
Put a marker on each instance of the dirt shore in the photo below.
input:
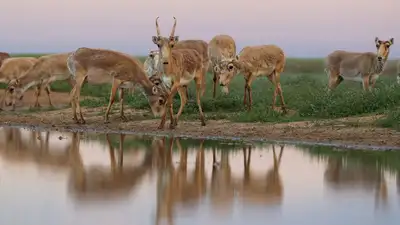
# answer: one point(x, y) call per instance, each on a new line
point(346, 131)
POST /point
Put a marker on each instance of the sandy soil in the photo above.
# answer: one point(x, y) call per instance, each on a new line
point(347, 131)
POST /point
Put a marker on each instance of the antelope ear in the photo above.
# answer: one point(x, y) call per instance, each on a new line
point(237, 57)
point(391, 41)
point(175, 38)
point(154, 90)
point(155, 39)
point(377, 41)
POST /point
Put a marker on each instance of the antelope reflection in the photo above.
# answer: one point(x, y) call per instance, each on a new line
point(340, 175)
point(222, 189)
point(34, 148)
point(98, 181)
point(267, 189)
point(173, 185)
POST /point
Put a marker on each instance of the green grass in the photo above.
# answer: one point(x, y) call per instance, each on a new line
point(304, 86)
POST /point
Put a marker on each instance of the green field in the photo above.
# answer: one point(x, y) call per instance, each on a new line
point(304, 85)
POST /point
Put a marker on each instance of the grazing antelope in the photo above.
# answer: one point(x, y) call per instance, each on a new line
point(11, 70)
point(255, 61)
point(398, 72)
point(365, 67)
point(220, 46)
point(99, 66)
point(183, 66)
point(3, 56)
point(47, 69)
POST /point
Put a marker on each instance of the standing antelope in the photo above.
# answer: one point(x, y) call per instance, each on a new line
point(183, 66)
point(101, 66)
point(220, 46)
point(255, 61)
point(398, 72)
point(365, 67)
point(3, 56)
point(11, 70)
point(47, 69)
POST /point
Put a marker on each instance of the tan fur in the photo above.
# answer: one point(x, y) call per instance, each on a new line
point(106, 66)
point(202, 48)
point(364, 67)
point(3, 56)
point(252, 62)
point(11, 70)
point(47, 69)
point(183, 66)
point(220, 46)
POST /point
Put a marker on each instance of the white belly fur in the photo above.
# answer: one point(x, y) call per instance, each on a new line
point(185, 80)
point(358, 78)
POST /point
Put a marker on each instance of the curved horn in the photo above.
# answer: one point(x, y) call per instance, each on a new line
point(157, 27)
point(173, 28)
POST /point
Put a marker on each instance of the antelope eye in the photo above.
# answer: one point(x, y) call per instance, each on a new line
point(230, 67)
point(377, 46)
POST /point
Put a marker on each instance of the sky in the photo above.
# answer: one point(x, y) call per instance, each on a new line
point(306, 28)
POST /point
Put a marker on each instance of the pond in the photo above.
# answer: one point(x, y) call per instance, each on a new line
point(49, 178)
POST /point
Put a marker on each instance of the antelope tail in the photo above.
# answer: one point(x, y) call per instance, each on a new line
point(71, 64)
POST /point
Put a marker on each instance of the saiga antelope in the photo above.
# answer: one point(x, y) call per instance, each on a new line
point(220, 46)
point(11, 70)
point(365, 67)
point(101, 66)
point(183, 66)
point(255, 61)
point(47, 69)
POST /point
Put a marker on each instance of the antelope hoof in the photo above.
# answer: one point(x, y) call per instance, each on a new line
point(124, 119)
point(160, 127)
point(172, 126)
point(284, 110)
point(106, 121)
point(82, 121)
point(203, 123)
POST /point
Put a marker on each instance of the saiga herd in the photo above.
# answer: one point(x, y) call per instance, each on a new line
point(169, 70)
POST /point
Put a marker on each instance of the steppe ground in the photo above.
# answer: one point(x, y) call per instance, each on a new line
point(348, 115)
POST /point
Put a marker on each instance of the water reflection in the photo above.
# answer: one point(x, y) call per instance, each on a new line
point(157, 180)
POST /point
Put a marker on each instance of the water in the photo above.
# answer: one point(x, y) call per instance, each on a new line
point(65, 178)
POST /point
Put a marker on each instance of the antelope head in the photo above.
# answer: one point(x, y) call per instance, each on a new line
point(165, 44)
point(157, 98)
point(13, 92)
point(226, 69)
point(383, 48)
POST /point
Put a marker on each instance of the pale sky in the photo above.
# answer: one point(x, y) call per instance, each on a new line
point(306, 28)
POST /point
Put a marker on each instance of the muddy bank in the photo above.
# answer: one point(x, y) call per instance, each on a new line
point(328, 132)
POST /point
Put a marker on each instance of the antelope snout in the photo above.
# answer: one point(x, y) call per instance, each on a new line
point(380, 58)
point(221, 84)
